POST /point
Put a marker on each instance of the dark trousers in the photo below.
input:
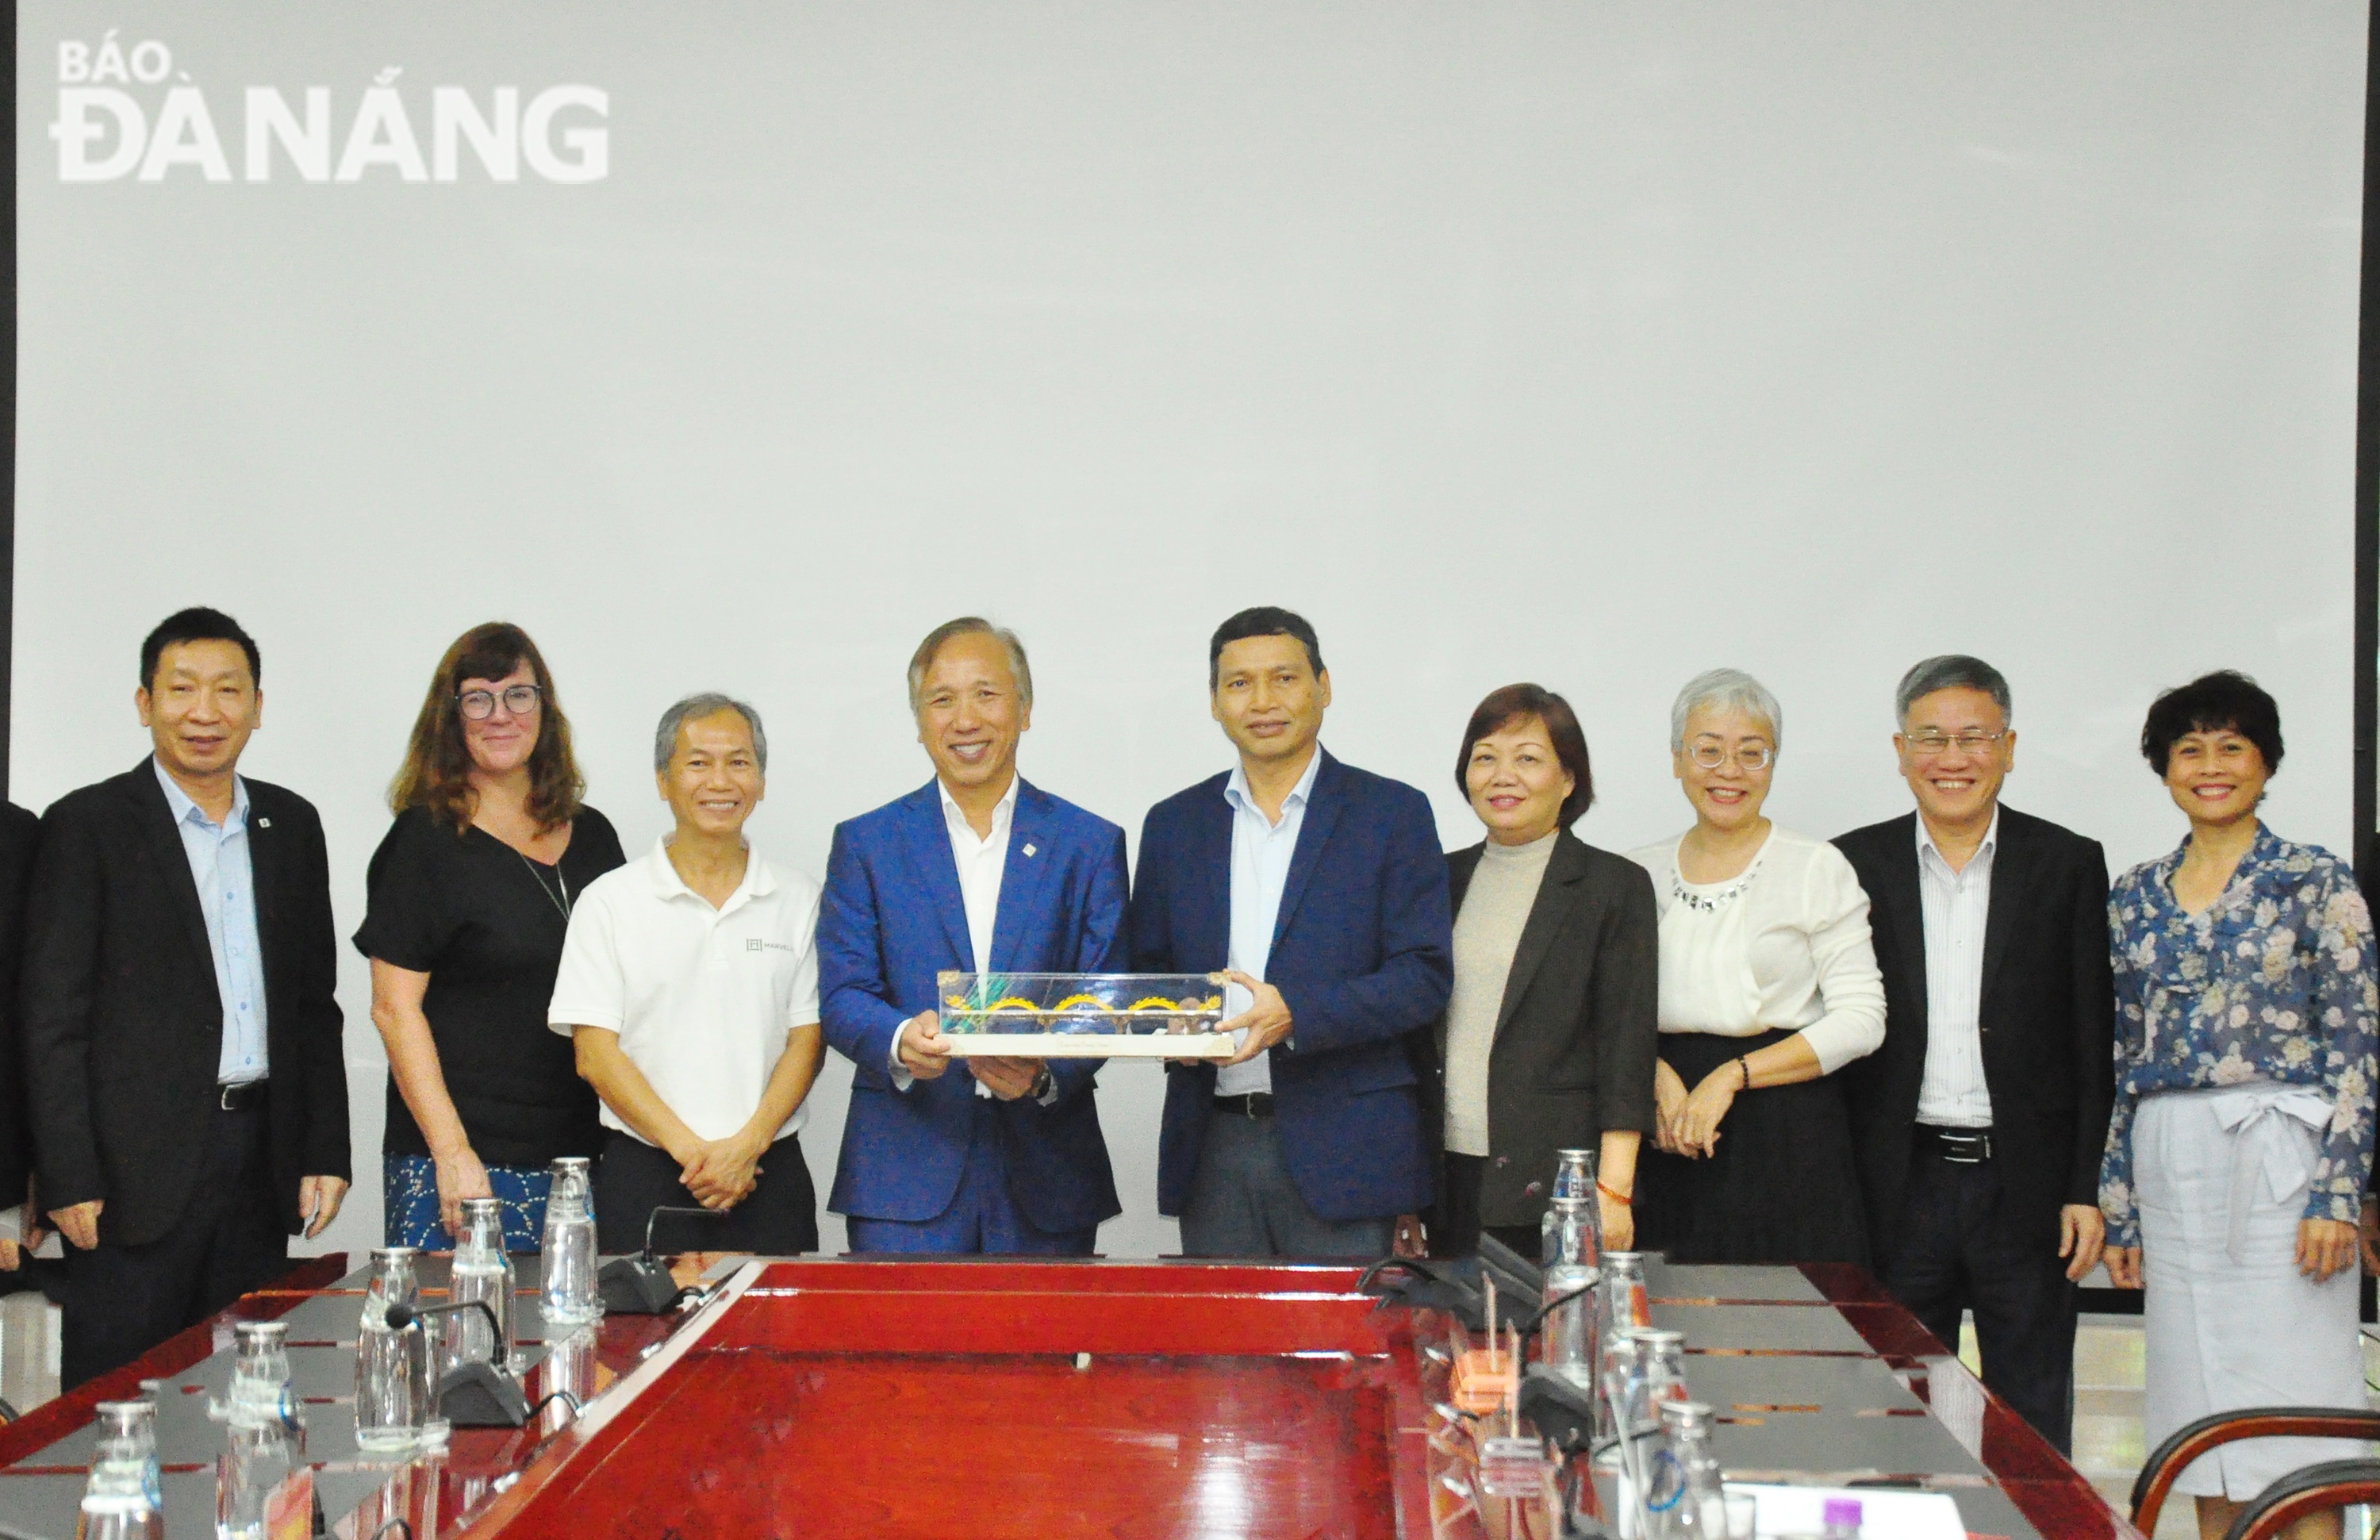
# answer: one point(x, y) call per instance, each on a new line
point(778, 1217)
point(121, 1301)
point(1454, 1227)
point(982, 1217)
point(1960, 1250)
point(1242, 1202)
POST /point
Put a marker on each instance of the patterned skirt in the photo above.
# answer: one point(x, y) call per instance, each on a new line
point(409, 1197)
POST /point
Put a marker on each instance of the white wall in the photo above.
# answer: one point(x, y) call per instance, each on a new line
point(1579, 342)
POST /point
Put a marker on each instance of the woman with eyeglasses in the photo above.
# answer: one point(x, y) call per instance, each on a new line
point(468, 898)
point(2247, 1021)
point(1768, 986)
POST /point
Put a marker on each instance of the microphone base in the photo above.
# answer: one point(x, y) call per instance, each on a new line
point(480, 1395)
point(637, 1286)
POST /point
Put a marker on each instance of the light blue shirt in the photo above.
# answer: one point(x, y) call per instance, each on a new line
point(1260, 855)
point(226, 876)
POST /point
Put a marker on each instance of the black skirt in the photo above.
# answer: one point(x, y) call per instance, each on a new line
point(1781, 1187)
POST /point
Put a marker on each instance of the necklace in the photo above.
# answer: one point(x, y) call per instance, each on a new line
point(1710, 903)
point(562, 902)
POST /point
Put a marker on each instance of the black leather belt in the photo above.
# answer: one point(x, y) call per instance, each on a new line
point(1256, 1104)
point(246, 1097)
point(1959, 1147)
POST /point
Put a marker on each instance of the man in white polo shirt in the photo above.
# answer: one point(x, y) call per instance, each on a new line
point(689, 990)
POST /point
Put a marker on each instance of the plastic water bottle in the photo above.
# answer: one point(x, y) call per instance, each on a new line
point(1569, 1339)
point(1625, 1411)
point(482, 1272)
point(570, 1298)
point(266, 1441)
point(1665, 1369)
point(1692, 1498)
point(124, 1499)
point(1574, 1173)
point(1570, 1234)
point(392, 1400)
point(1625, 1303)
point(1574, 1181)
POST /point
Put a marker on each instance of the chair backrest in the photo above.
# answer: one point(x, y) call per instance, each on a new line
point(2178, 1452)
point(2317, 1489)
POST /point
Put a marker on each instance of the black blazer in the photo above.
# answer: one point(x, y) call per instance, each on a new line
point(20, 831)
point(1577, 1033)
point(123, 1020)
point(2048, 1018)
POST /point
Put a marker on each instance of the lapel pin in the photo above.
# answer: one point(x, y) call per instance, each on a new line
point(264, 823)
point(1028, 850)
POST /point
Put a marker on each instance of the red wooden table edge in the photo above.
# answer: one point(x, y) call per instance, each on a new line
point(54, 1418)
point(621, 1409)
point(2021, 1461)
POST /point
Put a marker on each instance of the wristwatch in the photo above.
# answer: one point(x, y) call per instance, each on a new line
point(1043, 1083)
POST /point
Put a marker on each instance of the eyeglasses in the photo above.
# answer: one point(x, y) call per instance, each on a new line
point(480, 705)
point(1929, 745)
point(1754, 757)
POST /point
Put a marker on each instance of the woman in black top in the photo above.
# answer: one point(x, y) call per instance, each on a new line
point(469, 898)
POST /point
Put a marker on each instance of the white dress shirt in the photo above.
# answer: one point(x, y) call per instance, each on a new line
point(703, 999)
point(1785, 944)
point(980, 862)
point(1260, 855)
point(225, 873)
point(1956, 904)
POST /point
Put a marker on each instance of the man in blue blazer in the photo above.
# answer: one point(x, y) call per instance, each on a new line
point(978, 872)
point(1322, 890)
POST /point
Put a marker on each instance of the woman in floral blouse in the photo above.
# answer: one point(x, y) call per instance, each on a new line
point(2242, 1138)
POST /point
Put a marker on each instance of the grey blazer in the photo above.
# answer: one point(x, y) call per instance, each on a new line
point(1577, 1035)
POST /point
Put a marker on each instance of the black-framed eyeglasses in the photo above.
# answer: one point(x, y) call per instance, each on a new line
point(519, 700)
point(1929, 745)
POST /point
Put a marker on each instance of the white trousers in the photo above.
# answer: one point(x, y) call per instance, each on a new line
point(2220, 1176)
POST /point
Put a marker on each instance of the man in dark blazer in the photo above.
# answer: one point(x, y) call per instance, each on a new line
point(976, 872)
point(1980, 1123)
point(20, 1218)
point(188, 1097)
point(1321, 889)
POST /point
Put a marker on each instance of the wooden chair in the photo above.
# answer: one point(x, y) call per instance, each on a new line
point(2315, 1490)
point(2176, 1454)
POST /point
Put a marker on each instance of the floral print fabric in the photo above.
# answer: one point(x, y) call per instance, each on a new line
point(2274, 981)
point(409, 1203)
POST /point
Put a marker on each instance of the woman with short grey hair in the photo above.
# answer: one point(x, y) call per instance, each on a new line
point(1768, 986)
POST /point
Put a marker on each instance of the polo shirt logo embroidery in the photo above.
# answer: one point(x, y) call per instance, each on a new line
point(752, 943)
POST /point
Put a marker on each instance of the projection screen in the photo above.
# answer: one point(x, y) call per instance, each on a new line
point(735, 345)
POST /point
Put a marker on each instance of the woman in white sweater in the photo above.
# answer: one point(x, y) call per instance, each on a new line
point(1768, 986)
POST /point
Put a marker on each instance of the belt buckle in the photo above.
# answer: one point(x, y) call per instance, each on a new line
point(1966, 1149)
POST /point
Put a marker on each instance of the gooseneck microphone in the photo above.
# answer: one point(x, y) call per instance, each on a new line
point(478, 1393)
point(403, 1315)
point(639, 1285)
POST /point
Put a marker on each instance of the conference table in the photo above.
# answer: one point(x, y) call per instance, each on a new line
point(998, 1397)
